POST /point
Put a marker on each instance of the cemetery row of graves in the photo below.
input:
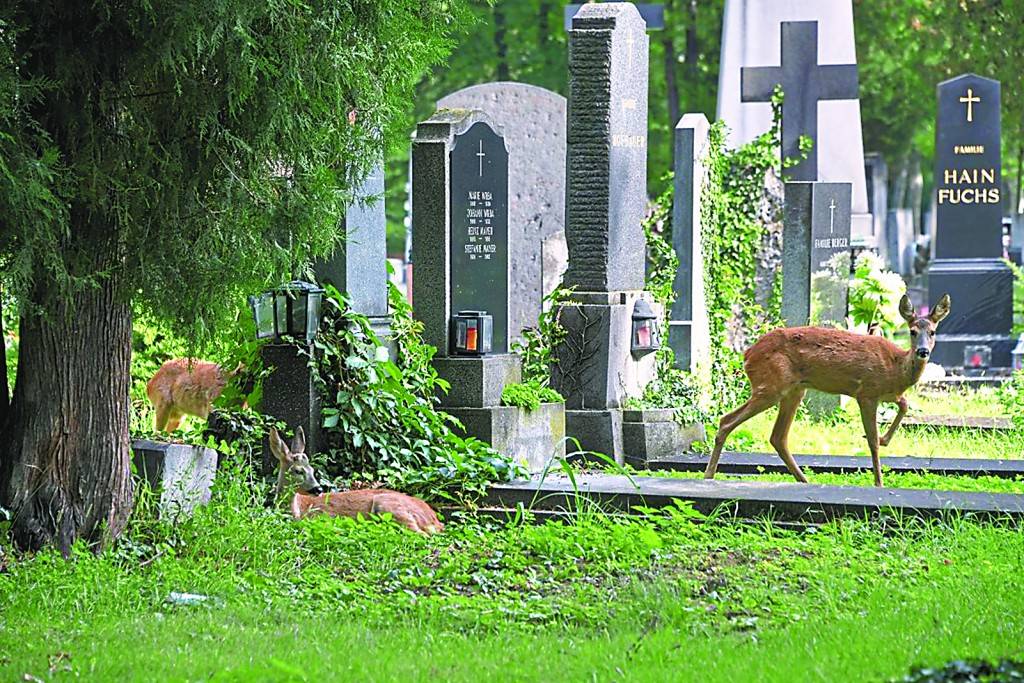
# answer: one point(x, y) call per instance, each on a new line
point(548, 373)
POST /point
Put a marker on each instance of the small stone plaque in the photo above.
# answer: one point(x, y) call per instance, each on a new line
point(967, 169)
point(479, 227)
point(830, 252)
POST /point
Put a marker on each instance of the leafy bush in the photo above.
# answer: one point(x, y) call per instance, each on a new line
point(535, 349)
point(968, 671)
point(875, 295)
point(380, 415)
point(529, 395)
point(1011, 395)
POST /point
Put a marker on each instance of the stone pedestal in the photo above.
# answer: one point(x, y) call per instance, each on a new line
point(532, 439)
point(653, 434)
point(290, 395)
point(477, 382)
point(180, 474)
point(980, 315)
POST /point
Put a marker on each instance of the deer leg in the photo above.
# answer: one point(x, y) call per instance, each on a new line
point(174, 421)
point(902, 403)
point(730, 422)
point(163, 411)
point(780, 434)
point(868, 416)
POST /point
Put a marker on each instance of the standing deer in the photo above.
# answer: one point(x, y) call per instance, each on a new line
point(295, 474)
point(786, 362)
point(186, 386)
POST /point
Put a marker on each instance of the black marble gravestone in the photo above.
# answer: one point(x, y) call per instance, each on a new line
point(804, 83)
point(968, 247)
point(479, 230)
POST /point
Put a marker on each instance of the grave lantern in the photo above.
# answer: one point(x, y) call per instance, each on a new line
point(291, 310)
point(977, 357)
point(472, 332)
point(646, 333)
point(1018, 354)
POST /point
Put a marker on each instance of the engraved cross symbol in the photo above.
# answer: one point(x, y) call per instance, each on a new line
point(832, 217)
point(480, 157)
point(969, 100)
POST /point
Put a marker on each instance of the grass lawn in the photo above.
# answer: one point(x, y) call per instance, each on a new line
point(844, 433)
point(657, 598)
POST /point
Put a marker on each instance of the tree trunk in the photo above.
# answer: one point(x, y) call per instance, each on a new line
point(671, 86)
point(65, 471)
point(5, 390)
point(500, 48)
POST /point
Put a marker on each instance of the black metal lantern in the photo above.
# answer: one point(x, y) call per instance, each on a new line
point(291, 310)
point(977, 359)
point(646, 331)
point(471, 333)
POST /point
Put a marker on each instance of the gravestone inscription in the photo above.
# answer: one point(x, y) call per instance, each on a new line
point(816, 253)
point(479, 231)
point(968, 224)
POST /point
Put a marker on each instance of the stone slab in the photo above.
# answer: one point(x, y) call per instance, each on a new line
point(756, 463)
point(643, 440)
point(181, 474)
point(784, 502)
point(530, 438)
point(982, 313)
point(595, 431)
point(477, 382)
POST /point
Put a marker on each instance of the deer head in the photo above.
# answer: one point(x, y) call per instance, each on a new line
point(922, 329)
point(294, 471)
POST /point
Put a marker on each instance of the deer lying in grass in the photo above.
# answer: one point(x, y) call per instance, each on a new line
point(295, 475)
point(786, 362)
point(185, 386)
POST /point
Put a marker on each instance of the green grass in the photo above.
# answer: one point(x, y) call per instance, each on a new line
point(657, 598)
point(843, 434)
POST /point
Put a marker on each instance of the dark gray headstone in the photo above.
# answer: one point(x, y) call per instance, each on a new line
point(653, 15)
point(479, 232)
point(689, 334)
point(816, 253)
point(967, 169)
point(607, 148)
point(460, 224)
point(900, 241)
point(359, 267)
point(532, 120)
point(805, 83)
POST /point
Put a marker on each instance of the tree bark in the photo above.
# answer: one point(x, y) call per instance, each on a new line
point(500, 47)
point(65, 469)
point(5, 389)
point(671, 86)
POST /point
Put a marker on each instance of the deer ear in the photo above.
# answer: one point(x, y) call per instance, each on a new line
point(941, 309)
point(299, 442)
point(907, 309)
point(278, 446)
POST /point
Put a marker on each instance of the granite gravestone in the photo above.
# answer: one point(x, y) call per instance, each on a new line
point(901, 242)
point(689, 334)
point(460, 224)
point(597, 368)
point(532, 121)
point(359, 267)
point(653, 15)
point(750, 39)
point(968, 232)
point(816, 254)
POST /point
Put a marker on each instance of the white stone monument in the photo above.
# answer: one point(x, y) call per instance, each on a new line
point(752, 37)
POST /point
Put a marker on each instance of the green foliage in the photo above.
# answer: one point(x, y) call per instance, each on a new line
point(200, 151)
point(538, 342)
point(875, 294)
point(1011, 396)
point(673, 388)
point(663, 263)
point(1018, 296)
point(380, 415)
point(529, 395)
point(967, 671)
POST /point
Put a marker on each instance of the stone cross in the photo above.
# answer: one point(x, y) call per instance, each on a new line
point(804, 83)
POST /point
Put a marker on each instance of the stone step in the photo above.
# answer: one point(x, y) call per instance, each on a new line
point(755, 463)
point(808, 503)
